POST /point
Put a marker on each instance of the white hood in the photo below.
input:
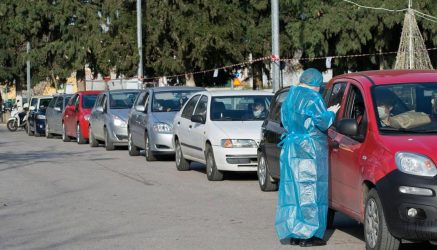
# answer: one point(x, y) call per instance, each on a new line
point(235, 130)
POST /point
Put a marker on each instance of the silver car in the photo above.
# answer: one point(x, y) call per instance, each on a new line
point(54, 114)
point(108, 118)
point(150, 123)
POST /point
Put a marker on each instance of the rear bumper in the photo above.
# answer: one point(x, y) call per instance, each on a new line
point(396, 204)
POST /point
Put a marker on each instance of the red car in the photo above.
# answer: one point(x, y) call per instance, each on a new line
point(382, 153)
point(76, 115)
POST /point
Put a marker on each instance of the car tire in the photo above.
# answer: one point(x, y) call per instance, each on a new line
point(132, 149)
point(148, 151)
point(48, 134)
point(109, 145)
point(93, 142)
point(79, 136)
point(36, 133)
point(376, 233)
point(29, 131)
point(181, 163)
point(264, 179)
point(330, 218)
point(65, 137)
point(212, 173)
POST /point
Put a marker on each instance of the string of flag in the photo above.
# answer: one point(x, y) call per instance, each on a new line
point(275, 58)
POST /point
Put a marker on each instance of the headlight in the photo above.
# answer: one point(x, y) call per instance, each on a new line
point(415, 164)
point(119, 122)
point(87, 117)
point(162, 128)
point(238, 143)
point(41, 117)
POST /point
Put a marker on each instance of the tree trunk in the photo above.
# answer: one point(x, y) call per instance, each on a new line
point(80, 79)
point(55, 82)
point(190, 80)
point(257, 75)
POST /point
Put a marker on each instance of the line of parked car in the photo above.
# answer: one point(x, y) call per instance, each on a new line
point(382, 173)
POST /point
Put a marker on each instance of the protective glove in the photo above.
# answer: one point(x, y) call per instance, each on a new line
point(334, 108)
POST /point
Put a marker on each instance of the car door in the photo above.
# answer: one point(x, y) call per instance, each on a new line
point(143, 118)
point(68, 113)
point(272, 134)
point(346, 153)
point(183, 122)
point(94, 115)
point(50, 112)
point(100, 117)
point(197, 130)
point(55, 122)
point(31, 116)
point(134, 118)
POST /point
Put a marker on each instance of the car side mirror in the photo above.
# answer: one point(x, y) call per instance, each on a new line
point(32, 108)
point(58, 109)
point(198, 119)
point(140, 108)
point(347, 127)
point(99, 109)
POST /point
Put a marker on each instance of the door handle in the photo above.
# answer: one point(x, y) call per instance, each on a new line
point(191, 126)
point(179, 123)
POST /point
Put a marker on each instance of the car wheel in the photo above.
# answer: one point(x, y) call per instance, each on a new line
point(376, 232)
point(181, 163)
point(65, 137)
point(12, 125)
point(109, 145)
point(93, 142)
point(148, 150)
point(212, 173)
point(29, 130)
point(133, 150)
point(48, 134)
point(264, 179)
point(79, 136)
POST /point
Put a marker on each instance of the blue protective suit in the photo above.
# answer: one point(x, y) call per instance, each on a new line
point(303, 189)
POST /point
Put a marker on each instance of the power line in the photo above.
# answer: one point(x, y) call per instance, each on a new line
point(374, 8)
point(429, 19)
point(421, 13)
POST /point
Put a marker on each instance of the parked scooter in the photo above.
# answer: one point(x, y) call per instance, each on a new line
point(17, 120)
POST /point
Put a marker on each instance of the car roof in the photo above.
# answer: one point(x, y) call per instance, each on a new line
point(381, 77)
point(89, 92)
point(237, 93)
point(61, 94)
point(122, 90)
point(42, 96)
point(174, 88)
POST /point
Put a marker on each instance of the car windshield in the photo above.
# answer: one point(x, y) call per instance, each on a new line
point(44, 103)
point(123, 100)
point(88, 101)
point(406, 108)
point(240, 108)
point(170, 101)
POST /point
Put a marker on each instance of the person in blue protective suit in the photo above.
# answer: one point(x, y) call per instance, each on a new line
point(301, 214)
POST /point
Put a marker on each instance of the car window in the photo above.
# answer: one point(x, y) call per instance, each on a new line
point(189, 108)
point(103, 102)
point(67, 100)
point(146, 102)
point(240, 108)
point(169, 101)
point(53, 101)
point(141, 99)
point(336, 95)
point(275, 114)
point(202, 106)
point(73, 100)
point(59, 102)
point(355, 109)
point(34, 102)
point(44, 102)
point(122, 100)
point(88, 101)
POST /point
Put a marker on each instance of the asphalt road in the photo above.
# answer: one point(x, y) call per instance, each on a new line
point(56, 195)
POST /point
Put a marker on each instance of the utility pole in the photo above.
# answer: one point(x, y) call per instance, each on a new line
point(140, 44)
point(28, 74)
point(410, 37)
point(275, 46)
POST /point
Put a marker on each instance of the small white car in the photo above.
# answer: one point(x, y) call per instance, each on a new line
point(220, 129)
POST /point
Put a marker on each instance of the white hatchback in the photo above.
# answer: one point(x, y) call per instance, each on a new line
point(220, 129)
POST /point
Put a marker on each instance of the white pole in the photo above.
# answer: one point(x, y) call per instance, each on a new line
point(29, 91)
point(140, 44)
point(275, 45)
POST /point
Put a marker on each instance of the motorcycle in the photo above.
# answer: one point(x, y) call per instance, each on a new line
point(16, 121)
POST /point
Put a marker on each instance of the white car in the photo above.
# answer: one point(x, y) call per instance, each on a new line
point(220, 129)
